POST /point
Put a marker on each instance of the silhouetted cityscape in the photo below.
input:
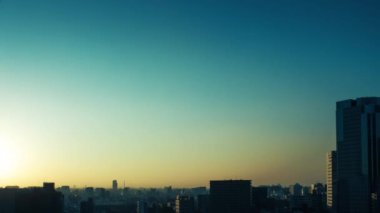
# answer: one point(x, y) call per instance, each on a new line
point(189, 106)
point(352, 183)
point(223, 196)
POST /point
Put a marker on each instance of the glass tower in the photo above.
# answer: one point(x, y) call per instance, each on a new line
point(358, 154)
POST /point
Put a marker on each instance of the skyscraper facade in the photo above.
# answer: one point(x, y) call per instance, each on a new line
point(358, 155)
point(331, 179)
point(230, 196)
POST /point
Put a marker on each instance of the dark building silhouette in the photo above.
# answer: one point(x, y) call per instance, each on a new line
point(114, 185)
point(31, 200)
point(100, 193)
point(296, 189)
point(230, 196)
point(8, 199)
point(358, 155)
point(41, 200)
point(259, 197)
point(114, 208)
point(299, 203)
point(318, 189)
point(184, 204)
point(89, 192)
point(87, 206)
point(64, 189)
point(203, 203)
point(50, 187)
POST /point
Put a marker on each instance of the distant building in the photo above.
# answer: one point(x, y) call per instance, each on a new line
point(331, 179)
point(114, 184)
point(278, 192)
point(199, 190)
point(358, 155)
point(89, 192)
point(306, 190)
point(318, 189)
point(230, 196)
point(184, 204)
point(65, 189)
point(49, 186)
point(100, 193)
point(296, 189)
point(12, 187)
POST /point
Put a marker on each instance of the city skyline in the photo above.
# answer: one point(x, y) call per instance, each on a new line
point(178, 93)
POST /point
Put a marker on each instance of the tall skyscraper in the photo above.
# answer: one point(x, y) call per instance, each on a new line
point(230, 196)
point(331, 179)
point(358, 155)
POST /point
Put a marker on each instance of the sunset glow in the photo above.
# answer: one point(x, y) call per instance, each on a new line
point(178, 92)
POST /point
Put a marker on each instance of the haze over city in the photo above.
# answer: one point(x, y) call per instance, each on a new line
point(178, 93)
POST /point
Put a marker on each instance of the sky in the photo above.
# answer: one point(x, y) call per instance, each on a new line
point(177, 92)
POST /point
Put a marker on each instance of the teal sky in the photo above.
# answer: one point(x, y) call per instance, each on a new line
point(178, 92)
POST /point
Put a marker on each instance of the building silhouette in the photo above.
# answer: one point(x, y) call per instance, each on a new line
point(87, 206)
point(48, 186)
point(114, 185)
point(184, 204)
point(331, 178)
point(296, 189)
point(203, 203)
point(31, 200)
point(230, 196)
point(358, 155)
point(259, 196)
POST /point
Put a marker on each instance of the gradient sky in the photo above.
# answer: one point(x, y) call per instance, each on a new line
point(178, 92)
